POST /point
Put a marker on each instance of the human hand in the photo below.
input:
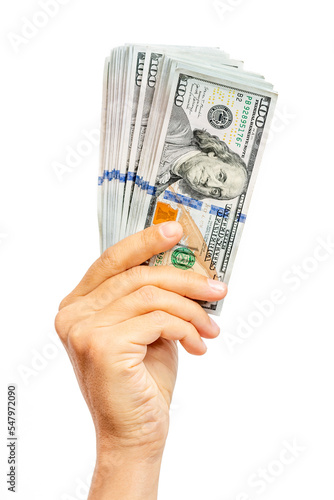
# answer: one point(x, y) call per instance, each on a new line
point(120, 326)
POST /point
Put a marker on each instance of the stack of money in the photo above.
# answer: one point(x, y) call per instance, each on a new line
point(182, 135)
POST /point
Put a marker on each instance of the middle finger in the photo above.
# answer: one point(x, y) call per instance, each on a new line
point(185, 283)
point(150, 298)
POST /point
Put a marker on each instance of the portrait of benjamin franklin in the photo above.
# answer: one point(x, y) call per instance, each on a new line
point(205, 164)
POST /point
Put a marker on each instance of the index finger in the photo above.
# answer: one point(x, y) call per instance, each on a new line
point(129, 252)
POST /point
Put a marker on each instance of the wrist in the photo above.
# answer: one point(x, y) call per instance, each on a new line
point(117, 451)
point(126, 475)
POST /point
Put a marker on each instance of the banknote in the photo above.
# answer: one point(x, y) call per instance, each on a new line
point(183, 130)
point(151, 74)
point(212, 140)
point(102, 172)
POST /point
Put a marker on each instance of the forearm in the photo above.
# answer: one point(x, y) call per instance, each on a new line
point(122, 478)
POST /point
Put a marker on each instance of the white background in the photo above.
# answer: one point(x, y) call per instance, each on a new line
point(235, 407)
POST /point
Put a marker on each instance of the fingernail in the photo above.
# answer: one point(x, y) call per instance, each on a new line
point(214, 325)
point(217, 286)
point(170, 229)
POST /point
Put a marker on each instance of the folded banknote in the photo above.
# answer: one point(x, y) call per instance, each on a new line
point(183, 133)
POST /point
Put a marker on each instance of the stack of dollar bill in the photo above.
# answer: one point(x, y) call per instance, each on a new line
point(182, 135)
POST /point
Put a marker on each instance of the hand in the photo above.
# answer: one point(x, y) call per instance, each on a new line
point(120, 326)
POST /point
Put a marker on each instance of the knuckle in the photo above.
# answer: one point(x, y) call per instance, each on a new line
point(68, 315)
point(65, 319)
point(60, 325)
point(159, 318)
point(74, 336)
point(137, 273)
point(106, 297)
point(148, 294)
point(109, 259)
point(77, 339)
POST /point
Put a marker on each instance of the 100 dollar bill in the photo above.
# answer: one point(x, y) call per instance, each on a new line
point(205, 168)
